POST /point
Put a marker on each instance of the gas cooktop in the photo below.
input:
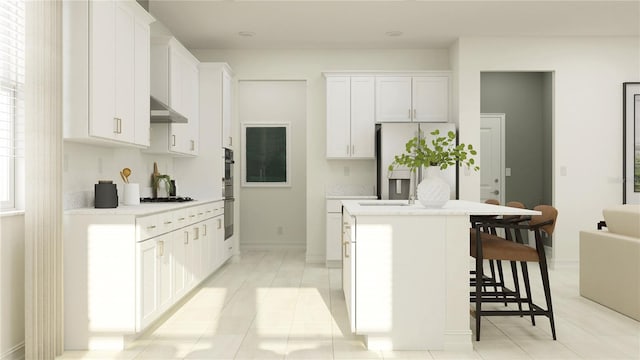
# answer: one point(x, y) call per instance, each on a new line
point(166, 199)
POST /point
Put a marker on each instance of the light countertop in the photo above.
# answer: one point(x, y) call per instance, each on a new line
point(140, 210)
point(452, 207)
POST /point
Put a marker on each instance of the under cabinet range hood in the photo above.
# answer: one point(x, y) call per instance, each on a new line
point(161, 113)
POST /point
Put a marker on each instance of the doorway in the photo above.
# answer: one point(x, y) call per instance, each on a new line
point(492, 145)
point(526, 100)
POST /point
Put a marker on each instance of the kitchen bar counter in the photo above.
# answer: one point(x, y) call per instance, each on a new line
point(406, 272)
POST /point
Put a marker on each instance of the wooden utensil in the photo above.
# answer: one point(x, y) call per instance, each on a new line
point(123, 177)
point(126, 172)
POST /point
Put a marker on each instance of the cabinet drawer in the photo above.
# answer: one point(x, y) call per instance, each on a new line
point(148, 227)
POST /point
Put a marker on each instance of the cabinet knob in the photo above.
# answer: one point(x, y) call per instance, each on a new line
point(151, 227)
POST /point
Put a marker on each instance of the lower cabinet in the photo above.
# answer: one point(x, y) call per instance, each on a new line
point(123, 272)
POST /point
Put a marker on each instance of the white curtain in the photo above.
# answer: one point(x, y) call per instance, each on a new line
point(43, 206)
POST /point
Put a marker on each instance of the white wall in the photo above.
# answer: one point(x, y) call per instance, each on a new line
point(269, 223)
point(308, 65)
point(84, 165)
point(11, 286)
point(587, 118)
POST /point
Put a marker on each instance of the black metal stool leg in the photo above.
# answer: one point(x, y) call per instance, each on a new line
point(516, 284)
point(547, 294)
point(527, 288)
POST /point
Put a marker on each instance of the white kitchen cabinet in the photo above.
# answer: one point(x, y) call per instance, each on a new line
point(350, 117)
point(417, 98)
point(175, 82)
point(106, 72)
point(227, 134)
point(123, 270)
point(148, 298)
point(349, 266)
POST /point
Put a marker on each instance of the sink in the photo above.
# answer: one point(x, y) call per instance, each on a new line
point(382, 204)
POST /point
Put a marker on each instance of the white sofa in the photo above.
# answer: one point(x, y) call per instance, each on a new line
point(610, 261)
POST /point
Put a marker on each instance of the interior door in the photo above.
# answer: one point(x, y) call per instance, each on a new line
point(492, 157)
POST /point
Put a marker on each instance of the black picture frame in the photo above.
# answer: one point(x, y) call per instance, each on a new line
point(631, 143)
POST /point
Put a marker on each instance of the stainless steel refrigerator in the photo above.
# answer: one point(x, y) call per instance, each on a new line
point(391, 139)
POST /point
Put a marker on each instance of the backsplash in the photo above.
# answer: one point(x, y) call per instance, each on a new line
point(84, 165)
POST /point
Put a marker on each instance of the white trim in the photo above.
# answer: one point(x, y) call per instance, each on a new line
point(15, 353)
point(315, 259)
point(458, 340)
point(503, 144)
point(243, 141)
point(563, 264)
point(265, 246)
point(386, 73)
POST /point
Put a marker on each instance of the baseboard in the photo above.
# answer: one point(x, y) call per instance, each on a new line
point(458, 340)
point(334, 264)
point(564, 264)
point(315, 259)
point(15, 353)
point(270, 246)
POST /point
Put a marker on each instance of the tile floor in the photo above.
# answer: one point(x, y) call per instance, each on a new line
point(273, 305)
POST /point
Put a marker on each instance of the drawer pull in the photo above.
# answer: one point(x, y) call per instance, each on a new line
point(200, 214)
point(191, 216)
point(161, 248)
point(168, 222)
point(208, 211)
point(151, 227)
point(181, 219)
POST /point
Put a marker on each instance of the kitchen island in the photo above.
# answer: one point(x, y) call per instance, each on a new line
point(406, 272)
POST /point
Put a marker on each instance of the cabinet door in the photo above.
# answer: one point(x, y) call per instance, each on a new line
point(338, 117)
point(198, 249)
point(431, 98)
point(148, 255)
point(227, 137)
point(348, 268)
point(222, 250)
point(124, 74)
point(334, 236)
point(363, 125)
point(102, 90)
point(191, 98)
point(179, 251)
point(141, 84)
point(165, 271)
point(393, 98)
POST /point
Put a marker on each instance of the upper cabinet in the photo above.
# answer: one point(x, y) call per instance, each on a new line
point(227, 137)
point(106, 72)
point(175, 82)
point(350, 116)
point(418, 98)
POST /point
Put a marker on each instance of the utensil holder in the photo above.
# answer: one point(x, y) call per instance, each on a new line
point(132, 194)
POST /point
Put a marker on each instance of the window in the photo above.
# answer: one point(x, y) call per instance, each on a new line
point(266, 154)
point(12, 29)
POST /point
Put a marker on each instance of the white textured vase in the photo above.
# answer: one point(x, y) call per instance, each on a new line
point(433, 190)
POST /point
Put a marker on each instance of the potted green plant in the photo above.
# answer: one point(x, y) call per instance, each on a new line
point(158, 181)
point(441, 153)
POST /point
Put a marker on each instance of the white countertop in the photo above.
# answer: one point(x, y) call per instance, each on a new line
point(452, 207)
point(351, 197)
point(140, 210)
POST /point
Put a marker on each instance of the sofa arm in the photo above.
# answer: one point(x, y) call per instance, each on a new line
point(610, 271)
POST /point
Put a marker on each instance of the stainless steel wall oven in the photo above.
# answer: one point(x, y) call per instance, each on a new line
point(228, 193)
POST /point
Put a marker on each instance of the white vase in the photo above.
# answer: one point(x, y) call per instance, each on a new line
point(433, 190)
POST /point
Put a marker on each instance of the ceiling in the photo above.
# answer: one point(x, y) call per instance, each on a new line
point(300, 24)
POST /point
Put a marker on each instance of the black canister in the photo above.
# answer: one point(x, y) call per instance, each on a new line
point(106, 195)
point(172, 191)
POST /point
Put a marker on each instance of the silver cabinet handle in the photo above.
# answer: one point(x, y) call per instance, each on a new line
point(181, 219)
point(167, 222)
point(186, 237)
point(197, 233)
point(161, 248)
point(219, 224)
point(409, 114)
point(348, 150)
point(115, 125)
point(353, 149)
point(192, 216)
point(151, 227)
point(193, 145)
point(230, 141)
point(173, 140)
point(345, 244)
point(414, 114)
point(204, 229)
